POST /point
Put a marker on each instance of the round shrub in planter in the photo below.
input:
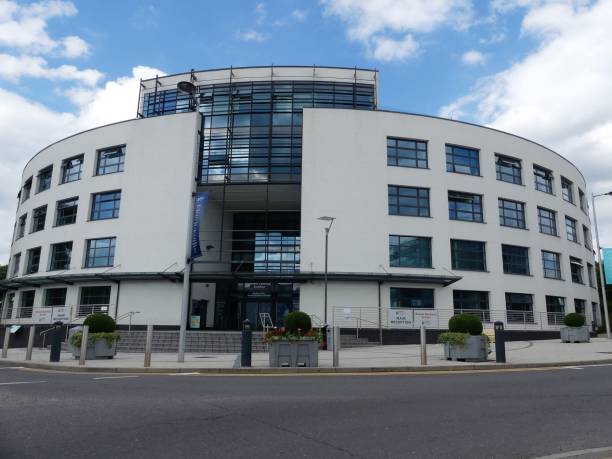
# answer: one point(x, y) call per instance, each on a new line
point(100, 323)
point(465, 323)
point(298, 320)
point(573, 319)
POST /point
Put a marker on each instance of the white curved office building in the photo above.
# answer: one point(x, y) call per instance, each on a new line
point(430, 215)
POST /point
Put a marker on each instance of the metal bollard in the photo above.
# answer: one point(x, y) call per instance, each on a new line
point(148, 346)
point(56, 343)
point(246, 344)
point(30, 342)
point(5, 345)
point(336, 347)
point(84, 339)
point(500, 343)
point(423, 345)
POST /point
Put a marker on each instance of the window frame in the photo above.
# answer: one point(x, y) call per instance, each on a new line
point(46, 296)
point(27, 186)
point(528, 314)
point(568, 225)
point(569, 196)
point(553, 219)
point(29, 257)
point(120, 165)
point(39, 181)
point(398, 264)
point(22, 222)
point(110, 257)
point(398, 290)
point(418, 198)
point(53, 253)
point(451, 166)
point(508, 264)
point(546, 267)
point(482, 312)
point(395, 157)
point(35, 223)
point(64, 176)
point(94, 214)
point(57, 210)
point(549, 186)
point(501, 206)
point(455, 258)
point(555, 317)
point(577, 275)
point(463, 195)
point(499, 173)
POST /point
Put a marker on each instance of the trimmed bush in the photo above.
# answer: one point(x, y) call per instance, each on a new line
point(465, 323)
point(573, 319)
point(298, 320)
point(100, 323)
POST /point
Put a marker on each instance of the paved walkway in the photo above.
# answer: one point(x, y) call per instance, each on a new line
point(517, 352)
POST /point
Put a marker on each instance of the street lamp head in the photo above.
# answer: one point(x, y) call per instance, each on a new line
point(326, 218)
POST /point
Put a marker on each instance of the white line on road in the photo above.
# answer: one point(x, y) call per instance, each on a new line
point(115, 377)
point(11, 368)
point(577, 453)
point(21, 382)
point(573, 368)
point(184, 374)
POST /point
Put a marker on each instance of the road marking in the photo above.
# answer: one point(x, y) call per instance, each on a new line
point(577, 453)
point(21, 382)
point(184, 374)
point(115, 377)
point(573, 368)
point(11, 368)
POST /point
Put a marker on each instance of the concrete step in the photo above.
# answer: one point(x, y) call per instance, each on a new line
point(348, 341)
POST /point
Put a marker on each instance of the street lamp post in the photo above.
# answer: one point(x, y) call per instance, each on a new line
point(601, 271)
point(331, 222)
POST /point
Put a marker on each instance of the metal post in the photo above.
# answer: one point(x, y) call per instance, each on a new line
point(601, 272)
point(5, 345)
point(246, 344)
point(500, 342)
point(84, 339)
point(56, 342)
point(423, 345)
point(326, 250)
point(336, 347)
point(380, 327)
point(148, 346)
point(30, 342)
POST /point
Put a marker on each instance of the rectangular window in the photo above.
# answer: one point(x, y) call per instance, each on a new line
point(462, 160)
point(519, 307)
point(16, 263)
point(60, 256)
point(567, 191)
point(511, 213)
point(464, 206)
point(100, 252)
point(579, 306)
point(418, 298)
point(94, 300)
point(10, 302)
point(570, 229)
point(110, 160)
point(27, 190)
point(55, 297)
point(591, 274)
point(515, 259)
point(508, 169)
point(409, 251)
point(551, 262)
point(44, 179)
point(583, 204)
point(472, 302)
point(21, 225)
point(105, 205)
point(66, 211)
point(547, 220)
point(588, 242)
point(555, 309)
point(26, 304)
point(468, 255)
point(409, 201)
point(39, 215)
point(543, 179)
point(576, 269)
point(33, 261)
point(72, 168)
point(406, 153)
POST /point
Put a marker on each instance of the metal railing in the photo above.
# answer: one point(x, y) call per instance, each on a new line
point(408, 318)
point(28, 315)
point(129, 315)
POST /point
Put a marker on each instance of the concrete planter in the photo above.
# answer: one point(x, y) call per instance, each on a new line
point(303, 353)
point(575, 334)
point(475, 349)
point(99, 350)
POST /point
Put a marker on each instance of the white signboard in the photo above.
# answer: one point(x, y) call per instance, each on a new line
point(61, 314)
point(401, 318)
point(347, 313)
point(427, 318)
point(50, 315)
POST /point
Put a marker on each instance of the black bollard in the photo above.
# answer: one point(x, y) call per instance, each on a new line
point(56, 342)
point(500, 343)
point(246, 344)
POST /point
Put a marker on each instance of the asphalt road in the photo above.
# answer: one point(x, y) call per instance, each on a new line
point(522, 414)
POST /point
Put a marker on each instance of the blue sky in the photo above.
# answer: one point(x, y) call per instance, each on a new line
point(538, 68)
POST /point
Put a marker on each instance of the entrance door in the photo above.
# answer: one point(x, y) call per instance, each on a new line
point(197, 314)
point(254, 309)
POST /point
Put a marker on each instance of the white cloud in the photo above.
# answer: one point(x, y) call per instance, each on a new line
point(393, 23)
point(560, 94)
point(14, 67)
point(473, 57)
point(252, 35)
point(25, 28)
point(27, 126)
point(299, 15)
point(387, 49)
point(261, 13)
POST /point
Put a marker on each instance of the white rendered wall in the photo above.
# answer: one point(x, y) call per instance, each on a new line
point(345, 175)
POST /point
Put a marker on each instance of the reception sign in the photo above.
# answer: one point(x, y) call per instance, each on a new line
point(413, 318)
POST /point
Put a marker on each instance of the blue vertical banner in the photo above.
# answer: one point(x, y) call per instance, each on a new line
point(607, 263)
point(201, 200)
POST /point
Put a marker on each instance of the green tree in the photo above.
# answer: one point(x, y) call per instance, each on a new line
point(3, 269)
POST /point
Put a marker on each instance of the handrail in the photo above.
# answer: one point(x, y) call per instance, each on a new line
point(129, 314)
